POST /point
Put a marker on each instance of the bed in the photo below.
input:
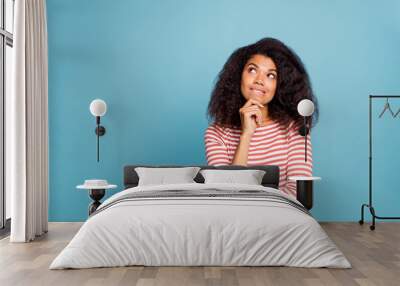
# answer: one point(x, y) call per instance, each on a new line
point(201, 224)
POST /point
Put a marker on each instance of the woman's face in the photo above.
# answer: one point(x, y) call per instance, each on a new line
point(259, 79)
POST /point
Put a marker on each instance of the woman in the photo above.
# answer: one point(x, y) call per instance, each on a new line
point(254, 111)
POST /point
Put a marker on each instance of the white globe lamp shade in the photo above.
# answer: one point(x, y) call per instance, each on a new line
point(305, 107)
point(98, 107)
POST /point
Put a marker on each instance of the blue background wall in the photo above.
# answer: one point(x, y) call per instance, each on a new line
point(155, 62)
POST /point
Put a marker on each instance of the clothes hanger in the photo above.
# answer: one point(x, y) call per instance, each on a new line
point(387, 107)
point(398, 111)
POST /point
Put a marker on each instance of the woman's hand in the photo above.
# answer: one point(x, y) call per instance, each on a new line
point(250, 116)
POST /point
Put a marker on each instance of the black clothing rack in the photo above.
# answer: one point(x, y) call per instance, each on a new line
point(370, 205)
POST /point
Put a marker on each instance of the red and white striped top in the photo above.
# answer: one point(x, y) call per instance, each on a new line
point(272, 144)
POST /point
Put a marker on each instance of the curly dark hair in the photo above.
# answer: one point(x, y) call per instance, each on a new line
point(293, 85)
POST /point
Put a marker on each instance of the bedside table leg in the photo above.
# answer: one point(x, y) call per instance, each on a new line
point(305, 193)
point(93, 207)
point(96, 195)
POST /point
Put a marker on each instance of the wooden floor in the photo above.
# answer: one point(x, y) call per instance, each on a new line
point(374, 255)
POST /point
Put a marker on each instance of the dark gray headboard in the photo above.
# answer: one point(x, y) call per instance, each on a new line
point(270, 179)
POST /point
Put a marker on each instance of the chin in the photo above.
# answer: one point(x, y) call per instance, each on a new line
point(260, 99)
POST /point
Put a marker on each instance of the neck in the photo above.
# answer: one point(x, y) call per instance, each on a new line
point(265, 115)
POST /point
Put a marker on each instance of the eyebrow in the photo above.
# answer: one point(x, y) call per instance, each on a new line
point(258, 67)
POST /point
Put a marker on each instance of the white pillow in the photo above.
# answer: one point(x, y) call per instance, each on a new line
point(249, 177)
point(163, 176)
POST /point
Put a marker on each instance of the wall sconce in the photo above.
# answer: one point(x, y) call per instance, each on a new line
point(305, 109)
point(98, 108)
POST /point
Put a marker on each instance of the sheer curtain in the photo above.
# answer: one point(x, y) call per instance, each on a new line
point(27, 151)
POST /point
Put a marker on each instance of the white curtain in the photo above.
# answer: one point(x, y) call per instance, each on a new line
point(27, 127)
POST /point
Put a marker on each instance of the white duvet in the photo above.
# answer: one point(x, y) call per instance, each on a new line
point(200, 231)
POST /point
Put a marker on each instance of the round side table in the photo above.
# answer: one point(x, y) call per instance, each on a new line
point(96, 193)
point(304, 189)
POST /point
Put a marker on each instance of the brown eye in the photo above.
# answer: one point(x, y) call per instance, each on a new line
point(271, 75)
point(251, 69)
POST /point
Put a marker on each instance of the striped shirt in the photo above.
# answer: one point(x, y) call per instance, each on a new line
point(272, 144)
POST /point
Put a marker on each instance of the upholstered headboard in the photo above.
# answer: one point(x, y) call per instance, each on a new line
point(270, 179)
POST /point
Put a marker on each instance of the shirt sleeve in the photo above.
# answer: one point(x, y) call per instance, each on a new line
point(297, 166)
point(216, 150)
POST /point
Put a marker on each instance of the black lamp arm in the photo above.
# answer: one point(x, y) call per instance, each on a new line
point(100, 131)
point(306, 133)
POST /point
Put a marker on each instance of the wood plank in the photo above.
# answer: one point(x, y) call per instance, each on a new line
point(374, 255)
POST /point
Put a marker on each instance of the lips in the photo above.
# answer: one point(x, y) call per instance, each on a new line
point(257, 91)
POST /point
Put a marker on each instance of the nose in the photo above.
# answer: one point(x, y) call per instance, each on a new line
point(259, 79)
